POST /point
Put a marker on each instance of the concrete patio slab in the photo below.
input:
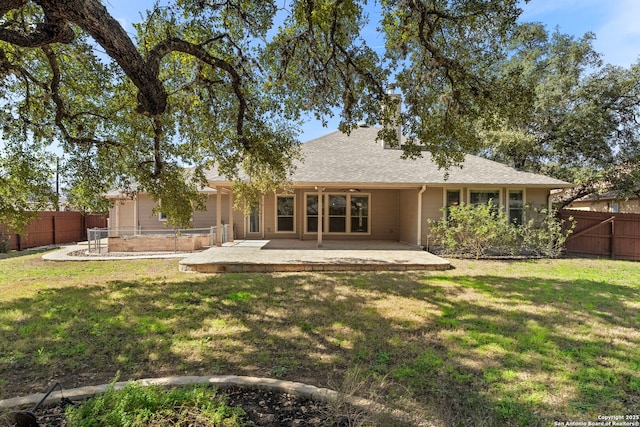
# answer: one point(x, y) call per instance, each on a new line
point(297, 255)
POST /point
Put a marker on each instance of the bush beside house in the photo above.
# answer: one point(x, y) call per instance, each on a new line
point(480, 231)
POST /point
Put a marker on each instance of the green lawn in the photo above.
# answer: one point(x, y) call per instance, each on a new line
point(487, 343)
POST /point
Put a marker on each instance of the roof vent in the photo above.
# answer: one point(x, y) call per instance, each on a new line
point(363, 125)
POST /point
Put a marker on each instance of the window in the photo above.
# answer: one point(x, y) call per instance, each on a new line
point(359, 214)
point(254, 220)
point(312, 213)
point(162, 217)
point(337, 213)
point(483, 197)
point(285, 209)
point(516, 207)
point(453, 199)
point(615, 208)
point(341, 213)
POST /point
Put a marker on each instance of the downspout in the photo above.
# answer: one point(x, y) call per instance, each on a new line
point(419, 233)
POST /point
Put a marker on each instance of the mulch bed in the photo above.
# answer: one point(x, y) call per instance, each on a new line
point(263, 408)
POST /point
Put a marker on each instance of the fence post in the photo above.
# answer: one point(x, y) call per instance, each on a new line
point(53, 228)
point(613, 238)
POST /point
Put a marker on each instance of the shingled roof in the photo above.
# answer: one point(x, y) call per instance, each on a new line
point(358, 159)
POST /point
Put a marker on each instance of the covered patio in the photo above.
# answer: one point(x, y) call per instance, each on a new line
point(300, 255)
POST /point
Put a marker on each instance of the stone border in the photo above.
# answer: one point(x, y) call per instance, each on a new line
point(62, 254)
point(222, 381)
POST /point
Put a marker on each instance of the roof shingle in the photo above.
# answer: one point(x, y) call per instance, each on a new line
point(357, 158)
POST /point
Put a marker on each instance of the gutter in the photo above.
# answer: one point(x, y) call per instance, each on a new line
point(419, 232)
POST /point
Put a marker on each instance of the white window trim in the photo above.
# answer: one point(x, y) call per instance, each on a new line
point(161, 216)
point(524, 203)
point(487, 190)
point(325, 216)
point(321, 210)
point(275, 227)
point(444, 199)
point(260, 216)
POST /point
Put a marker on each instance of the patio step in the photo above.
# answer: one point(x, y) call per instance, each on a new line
point(303, 256)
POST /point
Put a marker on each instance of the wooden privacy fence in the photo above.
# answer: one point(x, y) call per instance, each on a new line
point(52, 228)
point(613, 235)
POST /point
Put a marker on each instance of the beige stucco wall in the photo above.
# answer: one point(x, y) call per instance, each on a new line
point(205, 218)
point(147, 220)
point(432, 202)
point(407, 213)
point(383, 216)
point(127, 213)
point(122, 214)
point(537, 197)
point(392, 216)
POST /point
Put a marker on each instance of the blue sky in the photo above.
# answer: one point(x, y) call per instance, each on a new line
point(615, 23)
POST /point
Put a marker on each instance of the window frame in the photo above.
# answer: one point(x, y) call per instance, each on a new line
point(317, 215)
point(293, 216)
point(257, 210)
point(521, 208)
point(497, 203)
point(162, 217)
point(445, 199)
point(324, 208)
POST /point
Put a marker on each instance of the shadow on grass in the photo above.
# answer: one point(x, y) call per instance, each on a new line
point(465, 350)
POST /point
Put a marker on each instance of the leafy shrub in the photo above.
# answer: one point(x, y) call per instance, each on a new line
point(136, 405)
point(4, 243)
point(544, 234)
point(479, 231)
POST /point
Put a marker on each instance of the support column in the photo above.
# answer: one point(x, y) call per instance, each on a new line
point(231, 216)
point(419, 229)
point(117, 213)
point(135, 214)
point(218, 217)
point(261, 210)
point(320, 217)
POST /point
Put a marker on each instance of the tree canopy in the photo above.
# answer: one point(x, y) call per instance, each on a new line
point(571, 117)
point(227, 82)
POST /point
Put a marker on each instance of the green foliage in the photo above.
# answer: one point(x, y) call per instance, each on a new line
point(484, 230)
point(25, 169)
point(4, 243)
point(136, 405)
point(227, 85)
point(474, 231)
point(544, 234)
point(569, 116)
